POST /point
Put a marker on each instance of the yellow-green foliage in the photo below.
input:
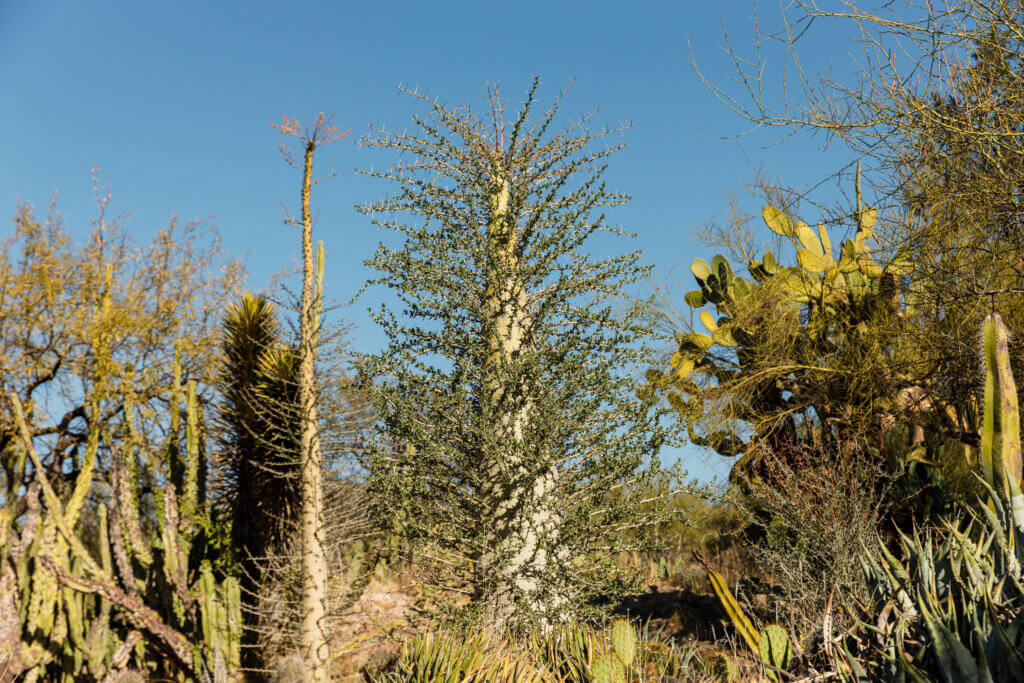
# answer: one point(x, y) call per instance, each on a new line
point(821, 335)
point(463, 656)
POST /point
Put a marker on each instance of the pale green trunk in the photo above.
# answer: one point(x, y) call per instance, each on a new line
point(521, 517)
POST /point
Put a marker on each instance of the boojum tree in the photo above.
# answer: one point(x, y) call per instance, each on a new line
point(509, 382)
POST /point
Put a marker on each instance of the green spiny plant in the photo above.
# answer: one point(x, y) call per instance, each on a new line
point(774, 647)
point(816, 356)
point(168, 615)
point(720, 668)
point(260, 417)
point(568, 653)
point(952, 603)
point(607, 669)
point(623, 641)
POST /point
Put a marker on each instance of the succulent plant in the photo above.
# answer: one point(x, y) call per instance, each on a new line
point(68, 595)
point(774, 647)
point(770, 645)
point(623, 641)
point(952, 602)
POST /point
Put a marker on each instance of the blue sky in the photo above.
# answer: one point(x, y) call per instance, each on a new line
point(172, 102)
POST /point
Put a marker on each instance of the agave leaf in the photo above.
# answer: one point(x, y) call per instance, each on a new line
point(967, 666)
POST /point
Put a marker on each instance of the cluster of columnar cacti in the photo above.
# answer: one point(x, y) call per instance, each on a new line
point(952, 604)
point(85, 596)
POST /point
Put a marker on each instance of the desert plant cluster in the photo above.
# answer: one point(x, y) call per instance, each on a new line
point(202, 482)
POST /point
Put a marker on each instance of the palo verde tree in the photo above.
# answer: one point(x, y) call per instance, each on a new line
point(164, 295)
point(509, 379)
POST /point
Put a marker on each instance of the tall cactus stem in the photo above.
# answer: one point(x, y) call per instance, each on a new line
point(1001, 428)
point(83, 482)
point(174, 464)
point(191, 491)
point(126, 489)
point(49, 495)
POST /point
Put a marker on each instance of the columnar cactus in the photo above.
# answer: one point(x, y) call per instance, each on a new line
point(1000, 436)
point(68, 595)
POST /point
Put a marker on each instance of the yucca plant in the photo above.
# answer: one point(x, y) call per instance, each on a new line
point(259, 417)
point(952, 608)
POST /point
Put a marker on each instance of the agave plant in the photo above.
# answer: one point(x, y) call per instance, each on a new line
point(952, 608)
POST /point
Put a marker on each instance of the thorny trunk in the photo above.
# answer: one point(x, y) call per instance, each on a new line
point(517, 494)
point(313, 637)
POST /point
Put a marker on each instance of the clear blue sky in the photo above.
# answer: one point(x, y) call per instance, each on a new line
point(171, 100)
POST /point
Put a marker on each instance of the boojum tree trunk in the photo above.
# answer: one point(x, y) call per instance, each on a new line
point(313, 635)
point(518, 485)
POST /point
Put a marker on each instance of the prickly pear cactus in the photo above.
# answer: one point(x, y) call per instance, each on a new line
point(834, 303)
point(623, 641)
point(774, 647)
point(607, 669)
point(720, 668)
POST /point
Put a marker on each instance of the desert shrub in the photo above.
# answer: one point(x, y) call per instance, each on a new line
point(807, 518)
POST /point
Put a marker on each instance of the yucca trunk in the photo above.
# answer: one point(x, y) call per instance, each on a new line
point(313, 636)
point(517, 487)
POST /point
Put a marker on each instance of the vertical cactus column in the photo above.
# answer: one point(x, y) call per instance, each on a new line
point(1000, 436)
point(313, 633)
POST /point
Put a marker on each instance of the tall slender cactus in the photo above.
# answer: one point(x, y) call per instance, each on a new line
point(1000, 436)
point(314, 627)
